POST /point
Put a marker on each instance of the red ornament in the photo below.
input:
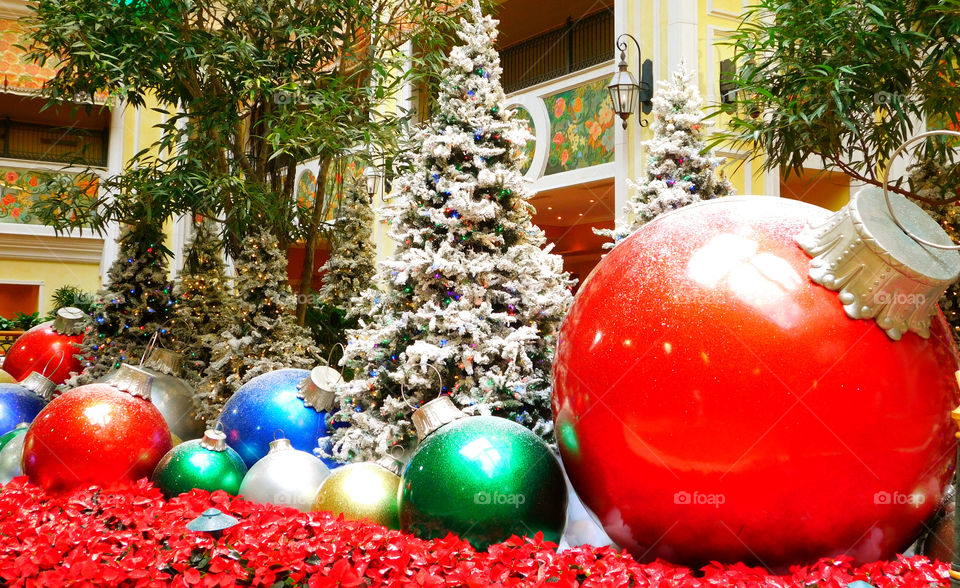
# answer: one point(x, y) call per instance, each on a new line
point(94, 434)
point(45, 349)
point(713, 403)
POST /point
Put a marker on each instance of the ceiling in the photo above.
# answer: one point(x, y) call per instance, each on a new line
point(522, 19)
point(585, 203)
point(568, 216)
point(32, 109)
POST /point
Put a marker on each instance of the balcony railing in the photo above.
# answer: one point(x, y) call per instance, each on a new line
point(577, 45)
point(19, 140)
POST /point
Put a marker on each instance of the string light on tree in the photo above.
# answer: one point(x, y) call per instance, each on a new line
point(468, 289)
point(134, 304)
point(204, 302)
point(263, 335)
point(352, 262)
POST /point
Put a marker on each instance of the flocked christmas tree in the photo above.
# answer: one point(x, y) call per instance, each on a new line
point(204, 299)
point(133, 305)
point(468, 289)
point(938, 184)
point(352, 261)
point(263, 335)
point(680, 171)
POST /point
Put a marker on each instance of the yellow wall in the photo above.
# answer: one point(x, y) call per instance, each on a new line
point(830, 190)
point(52, 274)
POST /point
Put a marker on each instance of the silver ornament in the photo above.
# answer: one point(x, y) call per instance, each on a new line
point(172, 396)
point(285, 477)
point(10, 457)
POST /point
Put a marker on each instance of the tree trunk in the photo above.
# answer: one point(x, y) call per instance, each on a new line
point(310, 244)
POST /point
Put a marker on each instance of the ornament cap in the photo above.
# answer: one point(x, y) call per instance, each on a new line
point(214, 440)
point(21, 426)
point(880, 272)
point(70, 321)
point(164, 361)
point(391, 464)
point(434, 414)
point(318, 389)
point(39, 385)
point(132, 380)
point(281, 444)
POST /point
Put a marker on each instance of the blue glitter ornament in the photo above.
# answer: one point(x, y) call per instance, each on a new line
point(17, 405)
point(269, 407)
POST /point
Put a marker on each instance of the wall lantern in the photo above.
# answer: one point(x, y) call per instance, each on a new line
point(624, 88)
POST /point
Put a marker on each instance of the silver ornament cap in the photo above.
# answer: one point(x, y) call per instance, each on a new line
point(164, 361)
point(214, 440)
point(70, 321)
point(132, 380)
point(281, 444)
point(391, 464)
point(39, 385)
point(881, 272)
point(435, 414)
point(318, 389)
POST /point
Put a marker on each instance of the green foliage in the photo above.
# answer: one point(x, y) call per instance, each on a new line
point(329, 324)
point(20, 322)
point(70, 296)
point(844, 81)
point(249, 89)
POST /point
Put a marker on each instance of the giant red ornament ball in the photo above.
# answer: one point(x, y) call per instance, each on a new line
point(44, 350)
point(94, 434)
point(713, 403)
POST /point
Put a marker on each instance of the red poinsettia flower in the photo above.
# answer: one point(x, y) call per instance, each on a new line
point(133, 537)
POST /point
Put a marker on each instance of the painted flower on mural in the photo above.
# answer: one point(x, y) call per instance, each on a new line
point(559, 106)
point(21, 188)
point(306, 190)
point(583, 128)
point(605, 117)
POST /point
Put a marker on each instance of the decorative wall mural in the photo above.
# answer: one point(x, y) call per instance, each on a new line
point(581, 127)
point(306, 188)
point(523, 116)
point(344, 173)
point(20, 188)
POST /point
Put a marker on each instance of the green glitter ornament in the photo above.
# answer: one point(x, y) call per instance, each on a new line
point(205, 463)
point(483, 478)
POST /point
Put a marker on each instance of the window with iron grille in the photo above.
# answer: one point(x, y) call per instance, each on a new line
point(577, 45)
